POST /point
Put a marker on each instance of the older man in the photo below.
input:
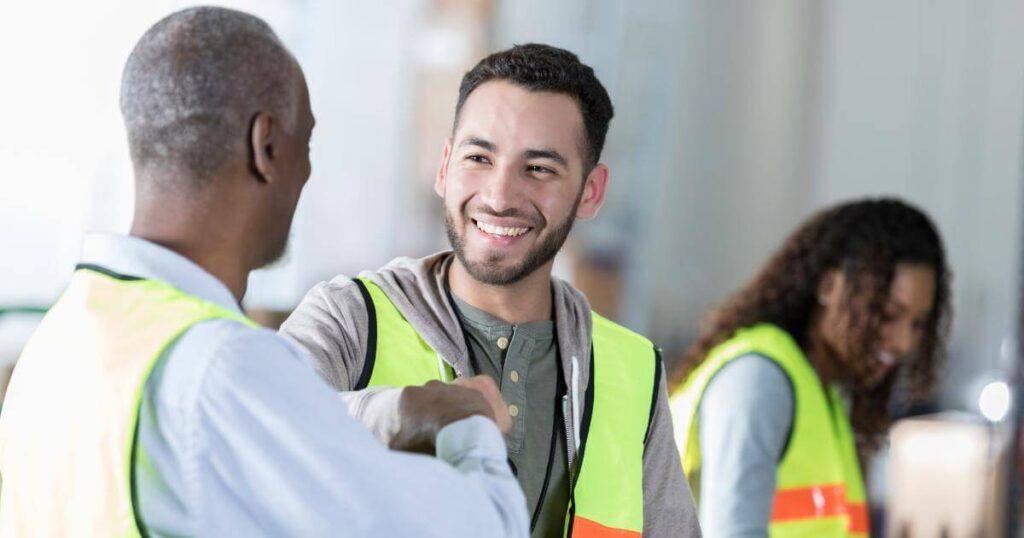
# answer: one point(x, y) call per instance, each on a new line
point(147, 402)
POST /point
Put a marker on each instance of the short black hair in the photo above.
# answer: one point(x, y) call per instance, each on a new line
point(543, 68)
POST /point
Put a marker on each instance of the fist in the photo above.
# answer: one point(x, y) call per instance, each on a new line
point(423, 411)
point(489, 390)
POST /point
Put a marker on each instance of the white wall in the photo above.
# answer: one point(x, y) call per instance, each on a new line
point(65, 161)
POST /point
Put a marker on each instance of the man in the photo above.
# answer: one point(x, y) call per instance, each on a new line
point(591, 438)
point(146, 403)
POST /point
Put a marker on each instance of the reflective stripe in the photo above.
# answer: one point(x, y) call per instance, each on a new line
point(859, 522)
point(585, 528)
point(805, 503)
point(820, 502)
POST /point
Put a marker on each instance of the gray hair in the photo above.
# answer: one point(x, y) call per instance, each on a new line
point(192, 85)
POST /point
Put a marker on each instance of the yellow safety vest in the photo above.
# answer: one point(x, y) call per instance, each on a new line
point(819, 490)
point(606, 496)
point(68, 426)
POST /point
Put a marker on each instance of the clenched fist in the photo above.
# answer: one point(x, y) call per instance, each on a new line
point(486, 387)
point(425, 410)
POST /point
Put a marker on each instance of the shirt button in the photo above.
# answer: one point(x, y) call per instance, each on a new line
point(513, 410)
point(502, 342)
point(514, 376)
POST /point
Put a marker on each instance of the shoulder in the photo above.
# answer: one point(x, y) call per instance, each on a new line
point(609, 329)
point(339, 301)
point(752, 385)
point(337, 292)
point(213, 348)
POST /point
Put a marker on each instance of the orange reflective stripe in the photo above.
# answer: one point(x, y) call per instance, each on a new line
point(859, 520)
point(827, 500)
point(586, 528)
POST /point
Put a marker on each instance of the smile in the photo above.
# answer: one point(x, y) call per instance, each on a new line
point(887, 359)
point(501, 231)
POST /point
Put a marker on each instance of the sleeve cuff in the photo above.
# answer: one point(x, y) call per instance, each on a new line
point(476, 438)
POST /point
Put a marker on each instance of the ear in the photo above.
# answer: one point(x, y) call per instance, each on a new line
point(594, 187)
point(264, 138)
point(831, 287)
point(442, 169)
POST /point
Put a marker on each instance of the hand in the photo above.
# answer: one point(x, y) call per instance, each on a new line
point(486, 386)
point(425, 410)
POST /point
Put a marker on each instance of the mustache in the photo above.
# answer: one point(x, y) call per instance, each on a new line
point(538, 221)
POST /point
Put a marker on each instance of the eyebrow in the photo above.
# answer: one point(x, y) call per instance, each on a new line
point(546, 154)
point(541, 153)
point(480, 142)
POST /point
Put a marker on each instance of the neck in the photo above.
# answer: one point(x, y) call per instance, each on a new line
point(204, 237)
point(524, 301)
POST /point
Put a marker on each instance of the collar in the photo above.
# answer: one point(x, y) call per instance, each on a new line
point(135, 256)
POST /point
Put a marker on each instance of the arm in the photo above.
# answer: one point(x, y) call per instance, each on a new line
point(668, 504)
point(330, 324)
point(745, 419)
point(266, 464)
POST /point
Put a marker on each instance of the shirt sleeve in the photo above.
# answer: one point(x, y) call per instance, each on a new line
point(668, 502)
point(331, 326)
point(745, 418)
point(277, 455)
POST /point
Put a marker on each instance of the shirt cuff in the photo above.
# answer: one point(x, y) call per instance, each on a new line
point(377, 409)
point(472, 439)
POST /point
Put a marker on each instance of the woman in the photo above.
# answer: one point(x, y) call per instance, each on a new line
point(790, 379)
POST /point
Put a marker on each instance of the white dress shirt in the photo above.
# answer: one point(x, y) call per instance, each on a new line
point(238, 436)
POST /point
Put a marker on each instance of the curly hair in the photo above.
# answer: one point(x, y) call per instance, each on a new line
point(865, 239)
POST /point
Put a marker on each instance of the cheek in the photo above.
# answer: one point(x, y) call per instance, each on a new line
point(554, 201)
point(460, 187)
point(834, 327)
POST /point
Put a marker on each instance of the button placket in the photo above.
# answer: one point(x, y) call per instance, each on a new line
point(514, 392)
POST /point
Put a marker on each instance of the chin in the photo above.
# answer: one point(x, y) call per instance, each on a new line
point(276, 255)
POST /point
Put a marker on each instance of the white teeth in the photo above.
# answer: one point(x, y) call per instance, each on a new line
point(501, 230)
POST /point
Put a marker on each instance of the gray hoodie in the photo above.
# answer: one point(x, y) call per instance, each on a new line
point(331, 323)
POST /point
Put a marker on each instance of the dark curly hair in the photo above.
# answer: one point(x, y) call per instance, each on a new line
point(543, 68)
point(865, 239)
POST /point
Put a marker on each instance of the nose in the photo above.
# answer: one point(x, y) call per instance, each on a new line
point(500, 190)
point(901, 339)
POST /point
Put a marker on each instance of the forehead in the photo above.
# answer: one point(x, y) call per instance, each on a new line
point(515, 119)
point(913, 287)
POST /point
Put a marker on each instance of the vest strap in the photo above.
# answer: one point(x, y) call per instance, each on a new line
point(371, 336)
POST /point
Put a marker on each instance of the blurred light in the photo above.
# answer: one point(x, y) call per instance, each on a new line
point(994, 401)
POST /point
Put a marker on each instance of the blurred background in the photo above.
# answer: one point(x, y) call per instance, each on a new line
point(734, 121)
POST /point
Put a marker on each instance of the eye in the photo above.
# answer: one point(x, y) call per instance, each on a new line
point(537, 169)
point(477, 158)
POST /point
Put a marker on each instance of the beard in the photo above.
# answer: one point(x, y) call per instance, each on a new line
point(490, 270)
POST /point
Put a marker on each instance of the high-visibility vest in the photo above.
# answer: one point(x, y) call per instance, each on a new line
point(606, 496)
point(819, 490)
point(68, 426)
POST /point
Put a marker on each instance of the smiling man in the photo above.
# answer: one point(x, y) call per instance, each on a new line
point(591, 437)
